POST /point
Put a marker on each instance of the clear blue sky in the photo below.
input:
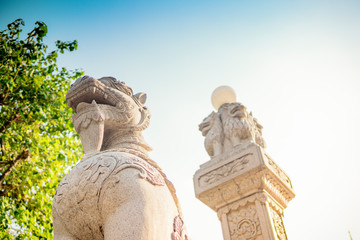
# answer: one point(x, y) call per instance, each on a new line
point(295, 64)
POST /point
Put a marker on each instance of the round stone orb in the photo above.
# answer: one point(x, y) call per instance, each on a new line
point(221, 95)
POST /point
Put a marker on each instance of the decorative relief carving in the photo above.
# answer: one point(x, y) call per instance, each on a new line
point(273, 186)
point(278, 225)
point(179, 230)
point(241, 186)
point(230, 193)
point(275, 206)
point(261, 197)
point(226, 170)
point(83, 187)
point(217, 197)
point(278, 170)
point(244, 223)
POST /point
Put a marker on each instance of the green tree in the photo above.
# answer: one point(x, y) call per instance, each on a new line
point(37, 144)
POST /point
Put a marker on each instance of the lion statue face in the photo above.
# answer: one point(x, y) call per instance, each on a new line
point(127, 108)
point(207, 124)
point(233, 110)
point(237, 124)
point(103, 107)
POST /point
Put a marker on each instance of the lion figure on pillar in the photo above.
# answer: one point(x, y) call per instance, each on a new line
point(239, 126)
point(211, 129)
point(115, 191)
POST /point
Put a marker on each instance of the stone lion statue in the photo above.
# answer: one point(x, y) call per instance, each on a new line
point(258, 132)
point(239, 126)
point(115, 191)
point(211, 128)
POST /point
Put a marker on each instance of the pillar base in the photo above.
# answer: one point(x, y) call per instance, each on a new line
point(248, 191)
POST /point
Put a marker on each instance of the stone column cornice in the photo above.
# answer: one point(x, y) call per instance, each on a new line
point(246, 172)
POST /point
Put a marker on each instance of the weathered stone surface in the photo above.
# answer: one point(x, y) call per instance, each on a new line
point(116, 191)
point(246, 188)
point(243, 173)
point(230, 127)
point(211, 128)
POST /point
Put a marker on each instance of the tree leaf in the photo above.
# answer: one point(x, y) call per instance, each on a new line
point(33, 117)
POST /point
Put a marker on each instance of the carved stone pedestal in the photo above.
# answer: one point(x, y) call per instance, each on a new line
point(248, 191)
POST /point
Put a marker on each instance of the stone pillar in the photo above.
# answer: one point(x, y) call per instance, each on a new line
point(246, 188)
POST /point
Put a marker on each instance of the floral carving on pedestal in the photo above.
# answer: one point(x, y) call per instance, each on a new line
point(278, 225)
point(246, 227)
point(226, 170)
point(244, 223)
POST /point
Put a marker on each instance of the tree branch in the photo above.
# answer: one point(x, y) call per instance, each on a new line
point(22, 156)
point(13, 119)
point(2, 147)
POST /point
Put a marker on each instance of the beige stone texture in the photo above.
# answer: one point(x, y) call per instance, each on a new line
point(246, 188)
point(242, 173)
point(230, 127)
point(115, 191)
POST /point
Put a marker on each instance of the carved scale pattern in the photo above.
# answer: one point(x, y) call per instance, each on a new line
point(82, 187)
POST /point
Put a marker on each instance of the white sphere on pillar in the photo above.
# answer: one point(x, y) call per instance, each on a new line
point(221, 95)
